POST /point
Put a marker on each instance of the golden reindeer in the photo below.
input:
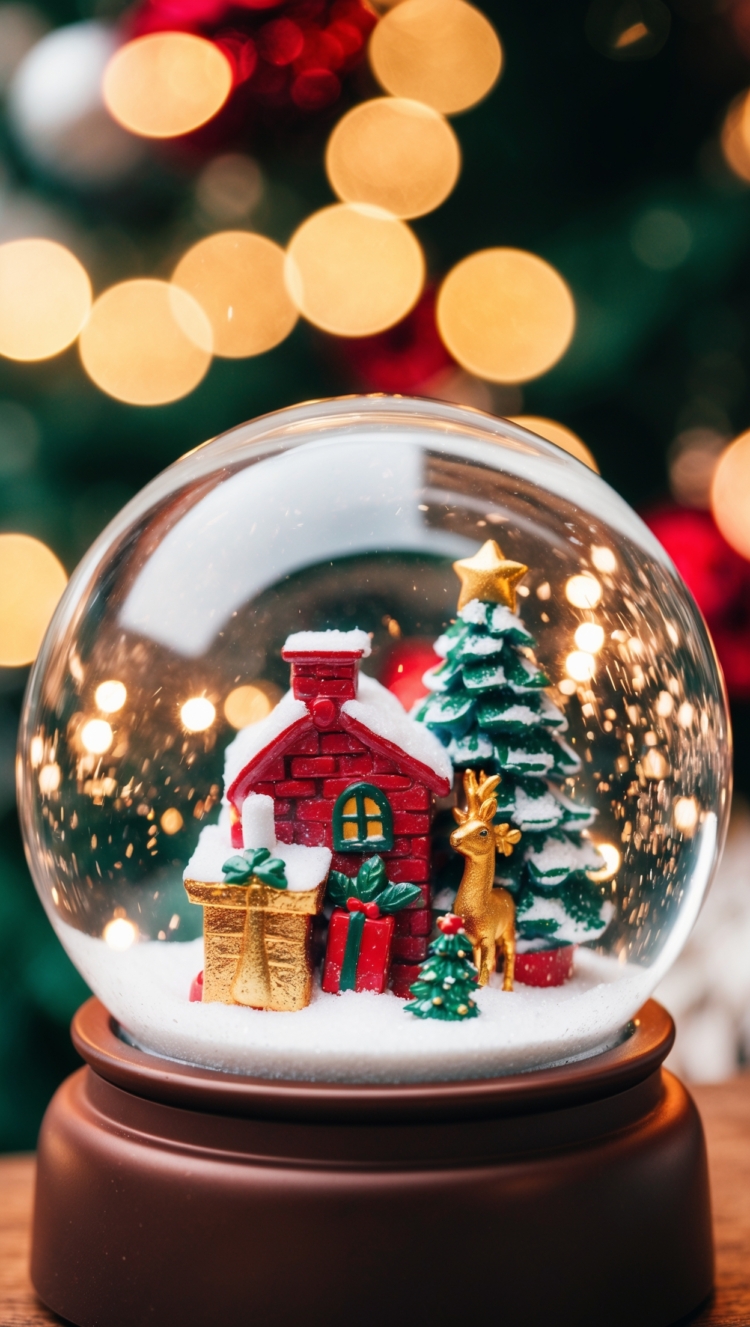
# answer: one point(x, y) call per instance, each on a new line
point(489, 915)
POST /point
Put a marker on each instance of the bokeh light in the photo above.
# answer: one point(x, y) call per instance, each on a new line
point(45, 297)
point(559, 434)
point(96, 736)
point(229, 187)
point(730, 494)
point(171, 820)
point(146, 342)
point(655, 765)
point(119, 934)
point(250, 703)
point(57, 112)
point(353, 270)
point(505, 315)
point(590, 637)
point(444, 53)
point(661, 239)
point(50, 777)
point(197, 714)
point(580, 665)
point(612, 861)
point(166, 84)
point(604, 559)
point(735, 144)
point(583, 591)
point(31, 582)
point(628, 29)
point(685, 815)
point(238, 280)
point(110, 696)
point(396, 154)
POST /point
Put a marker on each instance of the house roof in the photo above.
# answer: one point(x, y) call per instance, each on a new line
point(376, 718)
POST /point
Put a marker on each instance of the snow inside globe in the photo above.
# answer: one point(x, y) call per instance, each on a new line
point(376, 740)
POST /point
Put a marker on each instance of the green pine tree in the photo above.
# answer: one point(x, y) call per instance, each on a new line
point(447, 979)
point(489, 708)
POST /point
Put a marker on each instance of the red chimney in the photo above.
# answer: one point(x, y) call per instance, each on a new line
point(325, 666)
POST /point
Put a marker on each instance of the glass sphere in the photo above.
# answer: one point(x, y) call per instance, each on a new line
point(349, 514)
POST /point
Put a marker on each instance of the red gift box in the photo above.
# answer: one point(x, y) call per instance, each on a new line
point(374, 958)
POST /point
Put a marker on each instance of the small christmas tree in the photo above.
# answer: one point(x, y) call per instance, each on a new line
point(488, 707)
point(447, 979)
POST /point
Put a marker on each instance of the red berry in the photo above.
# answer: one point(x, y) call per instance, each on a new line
point(450, 924)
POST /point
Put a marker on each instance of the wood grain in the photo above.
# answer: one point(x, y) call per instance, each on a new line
point(725, 1108)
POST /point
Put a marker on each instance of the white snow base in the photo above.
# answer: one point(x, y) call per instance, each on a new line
point(356, 1038)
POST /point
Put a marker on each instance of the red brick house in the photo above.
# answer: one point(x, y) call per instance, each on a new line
point(349, 770)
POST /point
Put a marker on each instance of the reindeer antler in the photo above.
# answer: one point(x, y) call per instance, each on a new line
point(480, 804)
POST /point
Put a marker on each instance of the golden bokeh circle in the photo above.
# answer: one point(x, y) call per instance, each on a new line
point(559, 434)
point(353, 270)
point(394, 153)
point(250, 703)
point(444, 53)
point(171, 820)
point(45, 297)
point(730, 494)
point(146, 342)
point(166, 83)
point(505, 315)
point(735, 138)
point(238, 280)
point(31, 582)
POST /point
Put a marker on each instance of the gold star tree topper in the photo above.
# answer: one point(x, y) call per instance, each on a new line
point(489, 576)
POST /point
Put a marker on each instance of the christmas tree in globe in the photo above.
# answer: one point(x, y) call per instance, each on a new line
point(489, 707)
point(448, 979)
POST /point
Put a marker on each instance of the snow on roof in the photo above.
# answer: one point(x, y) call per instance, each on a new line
point(305, 867)
point(254, 739)
point(328, 642)
point(378, 711)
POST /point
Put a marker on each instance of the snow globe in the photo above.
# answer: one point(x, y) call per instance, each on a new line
point(372, 772)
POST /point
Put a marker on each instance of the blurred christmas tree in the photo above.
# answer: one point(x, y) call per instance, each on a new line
point(599, 150)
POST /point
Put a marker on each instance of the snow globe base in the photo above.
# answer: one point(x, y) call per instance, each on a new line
point(168, 1193)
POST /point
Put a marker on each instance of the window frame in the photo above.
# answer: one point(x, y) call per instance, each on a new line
point(359, 791)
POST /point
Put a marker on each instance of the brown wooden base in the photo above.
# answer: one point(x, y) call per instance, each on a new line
point(169, 1194)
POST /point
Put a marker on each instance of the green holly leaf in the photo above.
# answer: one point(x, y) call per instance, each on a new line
point(272, 872)
point(258, 862)
point(340, 888)
point(395, 897)
point(371, 880)
point(237, 870)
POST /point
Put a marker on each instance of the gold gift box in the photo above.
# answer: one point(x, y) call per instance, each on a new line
point(257, 943)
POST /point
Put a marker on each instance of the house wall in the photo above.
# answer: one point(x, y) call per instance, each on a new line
point(305, 783)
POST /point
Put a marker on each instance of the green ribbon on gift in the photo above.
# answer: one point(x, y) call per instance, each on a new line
point(256, 862)
point(348, 979)
point(368, 895)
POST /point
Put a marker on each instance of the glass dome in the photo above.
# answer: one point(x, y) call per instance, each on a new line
point(165, 653)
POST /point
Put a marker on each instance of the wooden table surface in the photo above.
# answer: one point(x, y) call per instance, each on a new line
point(725, 1109)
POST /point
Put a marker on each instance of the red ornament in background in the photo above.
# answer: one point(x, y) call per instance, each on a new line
point(718, 578)
point(289, 54)
point(405, 667)
point(403, 359)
